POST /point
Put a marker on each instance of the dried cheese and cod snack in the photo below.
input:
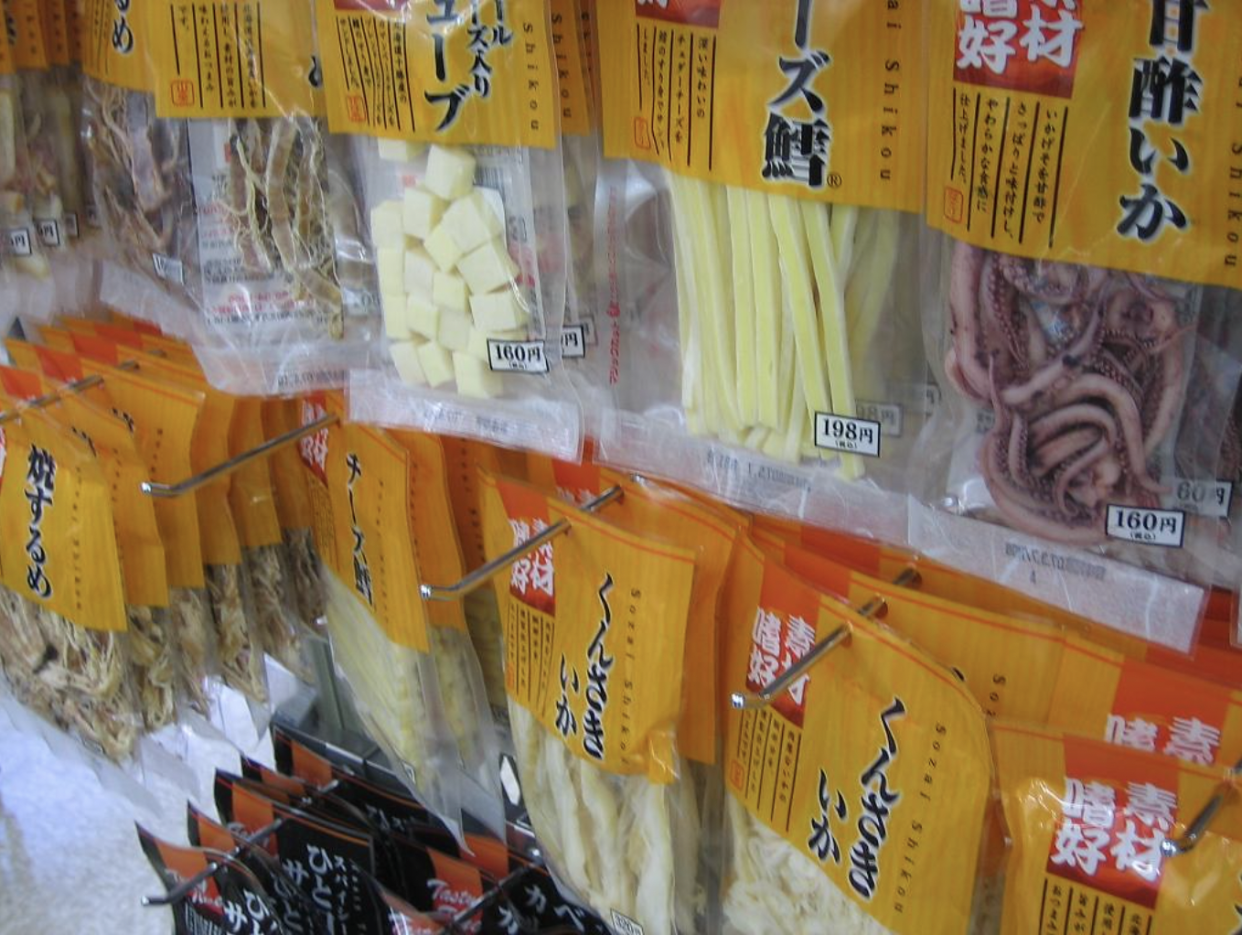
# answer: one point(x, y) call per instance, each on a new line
point(152, 649)
point(65, 641)
point(1087, 821)
point(359, 482)
point(466, 204)
point(232, 207)
point(754, 215)
point(856, 800)
point(1066, 278)
point(595, 625)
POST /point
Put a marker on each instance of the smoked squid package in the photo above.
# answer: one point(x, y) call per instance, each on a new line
point(856, 800)
point(1087, 820)
point(755, 211)
point(230, 201)
point(1074, 181)
point(458, 140)
point(595, 624)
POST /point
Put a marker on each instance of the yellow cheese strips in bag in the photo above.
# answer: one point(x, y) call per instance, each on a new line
point(594, 628)
point(1087, 820)
point(855, 800)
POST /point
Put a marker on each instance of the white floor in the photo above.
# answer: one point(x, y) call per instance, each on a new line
point(69, 856)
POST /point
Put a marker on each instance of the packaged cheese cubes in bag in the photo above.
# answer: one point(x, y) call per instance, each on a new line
point(753, 238)
point(1088, 823)
point(465, 200)
point(594, 629)
point(855, 800)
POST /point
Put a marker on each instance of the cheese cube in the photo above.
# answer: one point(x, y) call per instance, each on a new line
point(475, 378)
point(386, 229)
point(454, 330)
point(477, 347)
point(450, 172)
point(422, 316)
point(400, 150)
point(405, 359)
point(497, 311)
point(472, 221)
point(450, 292)
point(443, 248)
point(389, 265)
point(437, 363)
point(420, 271)
point(421, 212)
point(488, 267)
point(396, 321)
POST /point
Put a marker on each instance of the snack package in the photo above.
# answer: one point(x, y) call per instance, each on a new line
point(152, 645)
point(1057, 320)
point(231, 900)
point(753, 217)
point(440, 560)
point(66, 647)
point(595, 624)
point(359, 482)
point(1087, 820)
point(465, 198)
point(855, 755)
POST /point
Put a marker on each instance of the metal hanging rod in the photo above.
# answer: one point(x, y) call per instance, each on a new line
point(484, 573)
point(1190, 838)
point(490, 898)
point(753, 701)
point(223, 469)
point(69, 389)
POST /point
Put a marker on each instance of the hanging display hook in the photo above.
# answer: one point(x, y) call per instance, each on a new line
point(223, 469)
point(490, 898)
point(69, 389)
point(1190, 838)
point(752, 701)
point(484, 573)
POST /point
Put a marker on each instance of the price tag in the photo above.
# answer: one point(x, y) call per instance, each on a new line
point(889, 415)
point(49, 231)
point(840, 433)
point(19, 241)
point(71, 225)
point(625, 925)
point(168, 269)
point(516, 356)
point(573, 342)
point(1203, 497)
point(1166, 528)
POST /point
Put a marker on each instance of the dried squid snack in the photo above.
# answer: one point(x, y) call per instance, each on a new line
point(268, 578)
point(305, 576)
point(193, 632)
point(239, 647)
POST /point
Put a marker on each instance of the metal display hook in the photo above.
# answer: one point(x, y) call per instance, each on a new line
point(189, 884)
point(484, 573)
point(1195, 831)
point(69, 389)
point(490, 898)
point(753, 701)
point(224, 468)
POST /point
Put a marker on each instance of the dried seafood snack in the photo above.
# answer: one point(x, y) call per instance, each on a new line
point(282, 639)
point(192, 629)
point(238, 647)
point(305, 575)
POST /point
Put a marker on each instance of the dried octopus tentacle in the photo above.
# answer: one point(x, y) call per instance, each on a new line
point(1027, 512)
point(1058, 420)
point(1066, 366)
point(1084, 462)
point(1018, 273)
point(1094, 386)
point(1168, 398)
point(1048, 456)
point(967, 268)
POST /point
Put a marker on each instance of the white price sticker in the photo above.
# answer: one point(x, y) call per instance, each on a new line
point(889, 415)
point(516, 356)
point(573, 342)
point(1166, 528)
point(168, 269)
point(855, 436)
point(625, 925)
point(71, 225)
point(49, 231)
point(1203, 497)
point(19, 241)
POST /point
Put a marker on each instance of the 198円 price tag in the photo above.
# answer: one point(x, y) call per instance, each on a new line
point(842, 433)
point(516, 356)
point(1203, 497)
point(573, 342)
point(19, 241)
point(1165, 528)
point(49, 231)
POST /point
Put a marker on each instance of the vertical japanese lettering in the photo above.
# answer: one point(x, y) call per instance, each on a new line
point(362, 569)
point(798, 135)
point(40, 487)
point(878, 801)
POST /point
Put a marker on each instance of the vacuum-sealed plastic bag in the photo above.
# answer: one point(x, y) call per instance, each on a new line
point(750, 245)
point(465, 197)
point(874, 755)
point(1064, 292)
point(594, 634)
point(1087, 824)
